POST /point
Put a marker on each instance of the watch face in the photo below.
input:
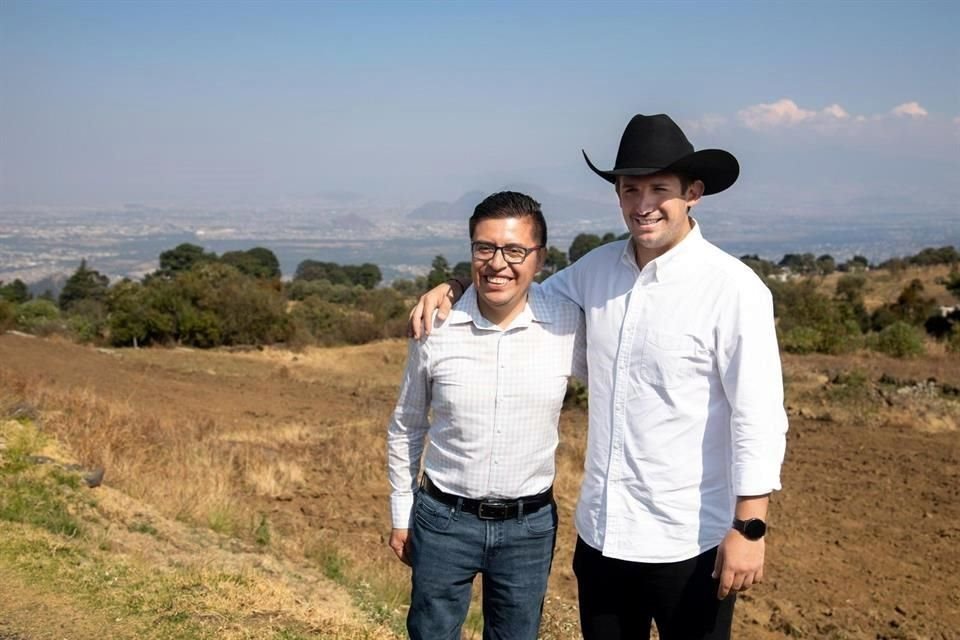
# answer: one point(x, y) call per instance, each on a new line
point(754, 528)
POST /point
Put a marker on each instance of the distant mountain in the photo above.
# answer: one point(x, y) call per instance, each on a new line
point(556, 208)
point(458, 210)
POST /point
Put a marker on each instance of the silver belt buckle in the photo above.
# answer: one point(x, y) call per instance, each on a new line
point(492, 510)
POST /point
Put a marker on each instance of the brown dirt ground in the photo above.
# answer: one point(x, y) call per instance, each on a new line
point(862, 541)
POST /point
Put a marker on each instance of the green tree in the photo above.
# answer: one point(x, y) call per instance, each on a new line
point(803, 263)
point(555, 260)
point(227, 307)
point(439, 272)
point(895, 266)
point(127, 322)
point(931, 256)
point(15, 292)
point(911, 306)
point(953, 283)
point(850, 289)
point(257, 262)
point(900, 340)
point(462, 270)
point(856, 263)
point(825, 264)
point(317, 270)
point(84, 284)
point(583, 244)
point(761, 267)
point(87, 320)
point(366, 275)
point(183, 257)
point(410, 288)
point(810, 321)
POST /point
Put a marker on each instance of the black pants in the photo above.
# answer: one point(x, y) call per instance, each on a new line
point(619, 599)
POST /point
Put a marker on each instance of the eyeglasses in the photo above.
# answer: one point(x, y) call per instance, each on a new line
point(512, 253)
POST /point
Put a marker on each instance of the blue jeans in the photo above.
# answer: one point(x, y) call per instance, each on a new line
point(448, 548)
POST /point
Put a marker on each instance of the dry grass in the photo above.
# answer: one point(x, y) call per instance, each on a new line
point(125, 571)
point(883, 286)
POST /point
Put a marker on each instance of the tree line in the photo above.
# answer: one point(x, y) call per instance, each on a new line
point(197, 298)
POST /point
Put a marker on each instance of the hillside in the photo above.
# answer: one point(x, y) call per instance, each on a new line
point(884, 286)
point(254, 482)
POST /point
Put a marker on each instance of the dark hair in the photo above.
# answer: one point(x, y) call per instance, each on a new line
point(511, 204)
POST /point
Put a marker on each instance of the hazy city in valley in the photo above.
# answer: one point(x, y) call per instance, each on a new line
point(44, 246)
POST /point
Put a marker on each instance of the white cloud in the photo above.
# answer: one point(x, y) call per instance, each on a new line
point(910, 109)
point(783, 112)
point(836, 111)
point(786, 113)
point(707, 123)
point(833, 119)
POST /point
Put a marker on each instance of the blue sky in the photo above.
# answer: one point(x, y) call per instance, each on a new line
point(825, 103)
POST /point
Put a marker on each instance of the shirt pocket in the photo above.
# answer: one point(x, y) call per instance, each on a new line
point(670, 359)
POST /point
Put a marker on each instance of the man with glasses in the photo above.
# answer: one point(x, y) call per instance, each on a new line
point(494, 376)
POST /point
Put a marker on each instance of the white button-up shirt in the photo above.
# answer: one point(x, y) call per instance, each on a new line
point(496, 396)
point(686, 397)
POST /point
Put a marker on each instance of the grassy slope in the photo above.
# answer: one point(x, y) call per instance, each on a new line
point(84, 563)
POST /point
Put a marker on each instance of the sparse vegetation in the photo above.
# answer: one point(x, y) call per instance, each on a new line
point(56, 542)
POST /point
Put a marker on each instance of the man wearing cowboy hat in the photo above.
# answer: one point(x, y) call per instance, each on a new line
point(687, 426)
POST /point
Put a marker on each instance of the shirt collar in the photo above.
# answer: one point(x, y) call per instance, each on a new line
point(675, 262)
point(467, 310)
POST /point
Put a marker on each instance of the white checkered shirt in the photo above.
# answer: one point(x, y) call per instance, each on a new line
point(495, 395)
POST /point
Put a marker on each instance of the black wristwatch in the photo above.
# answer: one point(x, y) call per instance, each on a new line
point(751, 528)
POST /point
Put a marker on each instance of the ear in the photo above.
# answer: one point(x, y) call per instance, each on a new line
point(694, 192)
point(541, 259)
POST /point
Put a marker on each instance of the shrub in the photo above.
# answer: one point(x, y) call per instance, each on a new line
point(812, 322)
point(87, 320)
point(38, 316)
point(8, 315)
point(801, 340)
point(953, 342)
point(900, 340)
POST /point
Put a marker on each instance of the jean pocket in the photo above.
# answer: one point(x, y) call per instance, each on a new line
point(542, 522)
point(432, 514)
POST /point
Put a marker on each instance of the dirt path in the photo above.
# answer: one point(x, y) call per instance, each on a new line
point(862, 541)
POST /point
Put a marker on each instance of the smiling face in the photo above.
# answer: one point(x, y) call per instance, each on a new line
point(502, 287)
point(655, 210)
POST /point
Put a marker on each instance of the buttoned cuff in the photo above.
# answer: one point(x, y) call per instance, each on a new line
point(401, 510)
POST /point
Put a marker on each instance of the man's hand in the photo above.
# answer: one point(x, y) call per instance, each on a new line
point(441, 298)
point(739, 563)
point(400, 543)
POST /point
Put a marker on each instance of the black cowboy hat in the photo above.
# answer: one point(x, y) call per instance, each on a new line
point(654, 144)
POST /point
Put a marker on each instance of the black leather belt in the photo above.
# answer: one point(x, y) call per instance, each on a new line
point(489, 508)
